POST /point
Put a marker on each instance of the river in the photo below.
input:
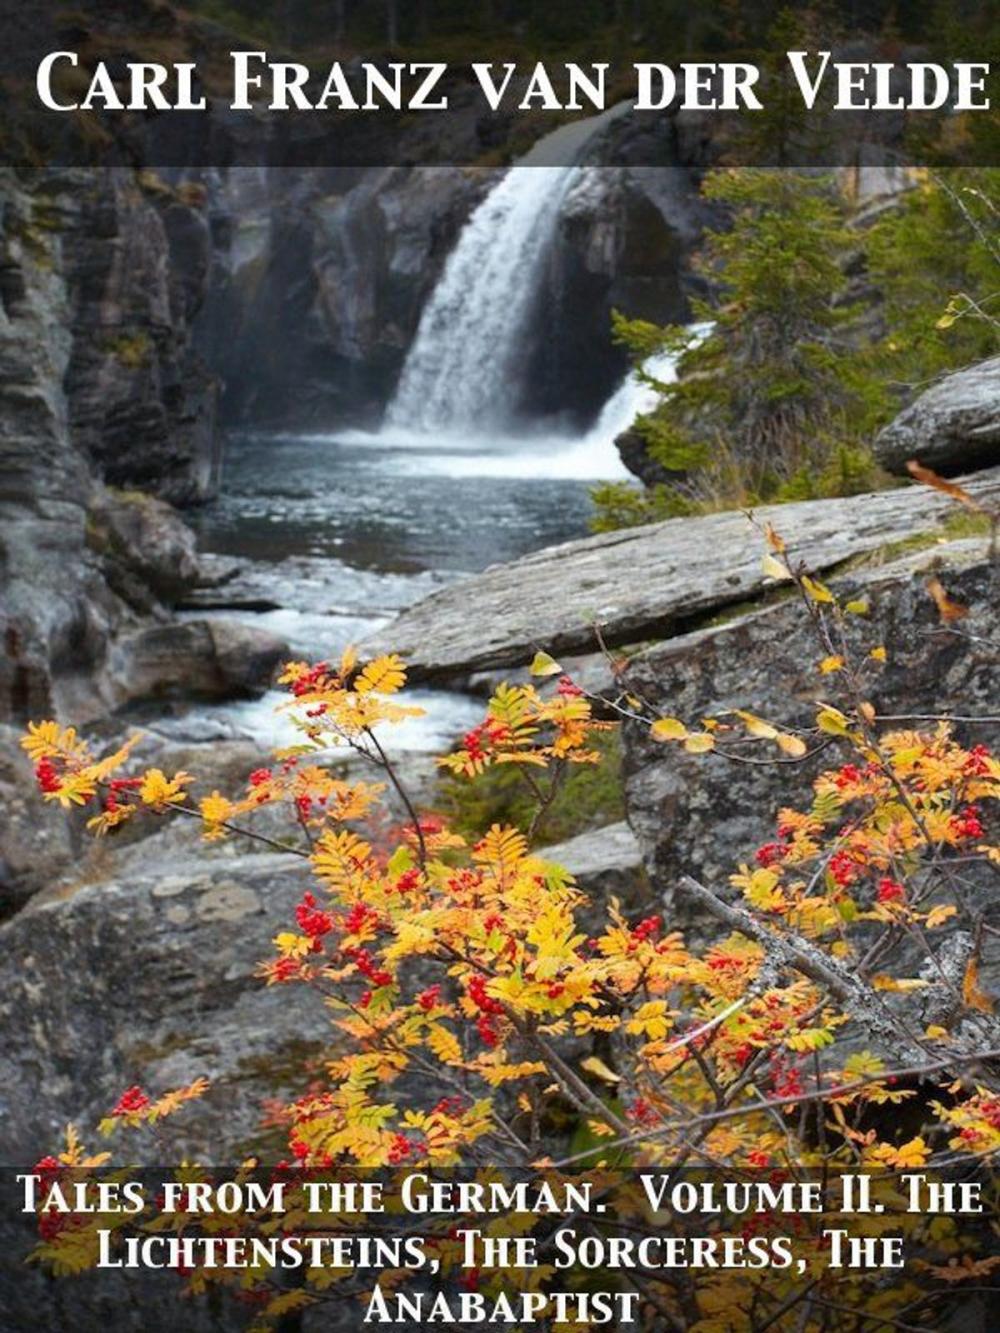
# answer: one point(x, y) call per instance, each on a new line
point(334, 535)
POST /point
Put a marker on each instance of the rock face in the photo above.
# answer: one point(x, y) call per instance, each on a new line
point(623, 241)
point(141, 404)
point(35, 847)
point(148, 553)
point(319, 278)
point(643, 582)
point(150, 979)
point(702, 815)
point(952, 427)
point(56, 610)
point(99, 276)
point(204, 659)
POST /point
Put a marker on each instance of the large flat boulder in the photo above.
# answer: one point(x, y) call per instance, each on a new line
point(644, 583)
point(952, 427)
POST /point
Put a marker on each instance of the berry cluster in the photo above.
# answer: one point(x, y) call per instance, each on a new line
point(47, 776)
point(489, 1010)
point(313, 921)
point(480, 740)
point(132, 1100)
point(890, 891)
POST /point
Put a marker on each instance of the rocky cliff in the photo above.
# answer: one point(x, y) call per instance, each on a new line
point(101, 393)
point(320, 277)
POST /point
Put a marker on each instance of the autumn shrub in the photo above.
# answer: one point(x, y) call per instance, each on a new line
point(836, 1022)
point(588, 796)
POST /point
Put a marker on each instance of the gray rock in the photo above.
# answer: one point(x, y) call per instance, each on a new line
point(37, 843)
point(317, 286)
point(141, 404)
point(94, 375)
point(209, 659)
point(643, 583)
point(952, 427)
point(150, 979)
point(604, 860)
point(146, 547)
point(607, 863)
point(56, 610)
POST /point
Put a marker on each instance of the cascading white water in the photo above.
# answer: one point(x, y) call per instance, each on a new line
point(458, 373)
point(592, 457)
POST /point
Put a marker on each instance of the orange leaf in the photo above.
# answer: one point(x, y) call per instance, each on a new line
point(947, 609)
point(972, 995)
point(929, 478)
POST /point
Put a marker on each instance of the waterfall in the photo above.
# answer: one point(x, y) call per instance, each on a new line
point(460, 368)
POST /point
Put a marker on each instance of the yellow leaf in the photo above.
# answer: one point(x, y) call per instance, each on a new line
point(596, 1066)
point(791, 745)
point(48, 739)
point(774, 569)
point(878, 654)
point(700, 743)
point(757, 726)
point(215, 810)
point(859, 607)
point(158, 789)
point(883, 981)
point(913, 1153)
point(810, 1039)
point(831, 664)
point(938, 915)
point(650, 1020)
point(290, 945)
point(668, 729)
point(385, 675)
point(444, 1045)
point(544, 665)
point(832, 721)
point(763, 892)
point(819, 592)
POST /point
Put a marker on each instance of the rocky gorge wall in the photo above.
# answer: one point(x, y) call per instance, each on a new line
point(319, 279)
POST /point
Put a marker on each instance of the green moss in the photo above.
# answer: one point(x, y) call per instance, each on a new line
point(590, 797)
point(956, 527)
point(45, 216)
point(736, 610)
point(133, 350)
point(285, 1072)
point(149, 1053)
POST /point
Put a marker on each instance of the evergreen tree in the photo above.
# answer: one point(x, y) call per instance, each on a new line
point(936, 261)
point(772, 401)
point(803, 363)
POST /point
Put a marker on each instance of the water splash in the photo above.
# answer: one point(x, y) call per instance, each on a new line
point(591, 457)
